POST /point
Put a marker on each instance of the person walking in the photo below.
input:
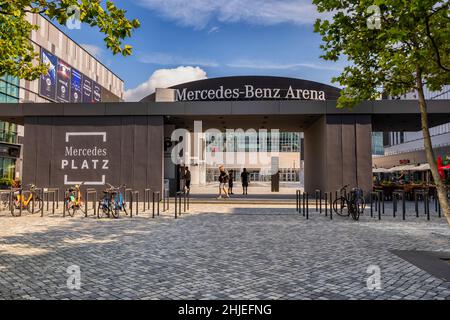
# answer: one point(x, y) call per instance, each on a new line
point(223, 181)
point(244, 180)
point(187, 179)
point(230, 182)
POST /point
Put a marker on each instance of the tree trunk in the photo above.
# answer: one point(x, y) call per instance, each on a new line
point(431, 159)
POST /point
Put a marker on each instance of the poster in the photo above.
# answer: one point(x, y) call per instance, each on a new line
point(75, 88)
point(97, 95)
point(87, 89)
point(63, 81)
point(47, 87)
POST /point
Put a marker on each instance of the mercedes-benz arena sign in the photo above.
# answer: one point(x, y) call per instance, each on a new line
point(246, 88)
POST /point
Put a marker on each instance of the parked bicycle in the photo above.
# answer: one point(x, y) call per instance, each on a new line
point(353, 201)
point(28, 200)
point(73, 200)
point(112, 202)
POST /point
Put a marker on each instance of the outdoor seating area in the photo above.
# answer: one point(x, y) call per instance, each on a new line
point(415, 181)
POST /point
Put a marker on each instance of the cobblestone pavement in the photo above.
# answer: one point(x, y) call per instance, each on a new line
point(218, 252)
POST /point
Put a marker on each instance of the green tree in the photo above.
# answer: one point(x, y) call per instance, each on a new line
point(407, 49)
point(17, 55)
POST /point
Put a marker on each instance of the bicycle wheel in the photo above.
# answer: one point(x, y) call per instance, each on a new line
point(115, 209)
point(354, 211)
point(339, 205)
point(38, 205)
point(70, 208)
point(361, 204)
point(15, 208)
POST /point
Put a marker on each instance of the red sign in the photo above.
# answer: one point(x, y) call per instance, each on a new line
point(405, 161)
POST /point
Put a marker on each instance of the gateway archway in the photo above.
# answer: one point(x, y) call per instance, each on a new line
point(124, 142)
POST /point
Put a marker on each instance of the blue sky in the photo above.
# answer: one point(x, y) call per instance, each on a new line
point(214, 38)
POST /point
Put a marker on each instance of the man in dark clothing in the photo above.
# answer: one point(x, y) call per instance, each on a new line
point(230, 182)
point(187, 179)
point(244, 180)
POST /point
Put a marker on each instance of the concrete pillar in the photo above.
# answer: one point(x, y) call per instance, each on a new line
point(338, 151)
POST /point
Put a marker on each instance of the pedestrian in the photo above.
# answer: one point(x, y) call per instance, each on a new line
point(187, 179)
point(230, 182)
point(223, 181)
point(244, 180)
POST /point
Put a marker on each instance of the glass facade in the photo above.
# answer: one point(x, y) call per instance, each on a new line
point(250, 142)
point(9, 93)
point(377, 143)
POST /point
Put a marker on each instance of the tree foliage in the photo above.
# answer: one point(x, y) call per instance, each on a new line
point(413, 34)
point(17, 54)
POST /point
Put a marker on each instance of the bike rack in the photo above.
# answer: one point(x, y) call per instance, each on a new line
point(426, 204)
point(55, 195)
point(396, 196)
point(166, 200)
point(377, 195)
point(134, 198)
point(147, 192)
point(14, 190)
point(178, 204)
point(318, 198)
point(156, 194)
point(8, 194)
point(93, 192)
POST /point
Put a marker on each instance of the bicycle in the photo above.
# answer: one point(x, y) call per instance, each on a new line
point(353, 201)
point(29, 203)
point(112, 202)
point(72, 200)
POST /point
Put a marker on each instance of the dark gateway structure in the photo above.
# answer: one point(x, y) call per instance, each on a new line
point(124, 142)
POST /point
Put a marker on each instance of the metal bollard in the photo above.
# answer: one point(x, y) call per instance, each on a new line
point(331, 206)
point(176, 207)
point(153, 205)
point(326, 204)
point(304, 204)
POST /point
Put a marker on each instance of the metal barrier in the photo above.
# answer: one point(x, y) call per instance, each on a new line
point(93, 192)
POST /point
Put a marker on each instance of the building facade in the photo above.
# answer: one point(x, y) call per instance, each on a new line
point(66, 59)
point(402, 147)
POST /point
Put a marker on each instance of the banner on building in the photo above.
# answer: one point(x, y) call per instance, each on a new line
point(47, 87)
point(75, 88)
point(63, 82)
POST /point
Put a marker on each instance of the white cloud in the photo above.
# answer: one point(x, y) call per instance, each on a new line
point(267, 65)
point(171, 60)
point(96, 51)
point(164, 78)
point(213, 30)
point(198, 13)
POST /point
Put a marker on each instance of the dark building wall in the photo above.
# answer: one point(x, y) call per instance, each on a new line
point(315, 156)
point(60, 151)
point(338, 152)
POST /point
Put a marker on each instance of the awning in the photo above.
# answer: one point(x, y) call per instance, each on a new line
point(380, 170)
point(408, 167)
point(422, 167)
